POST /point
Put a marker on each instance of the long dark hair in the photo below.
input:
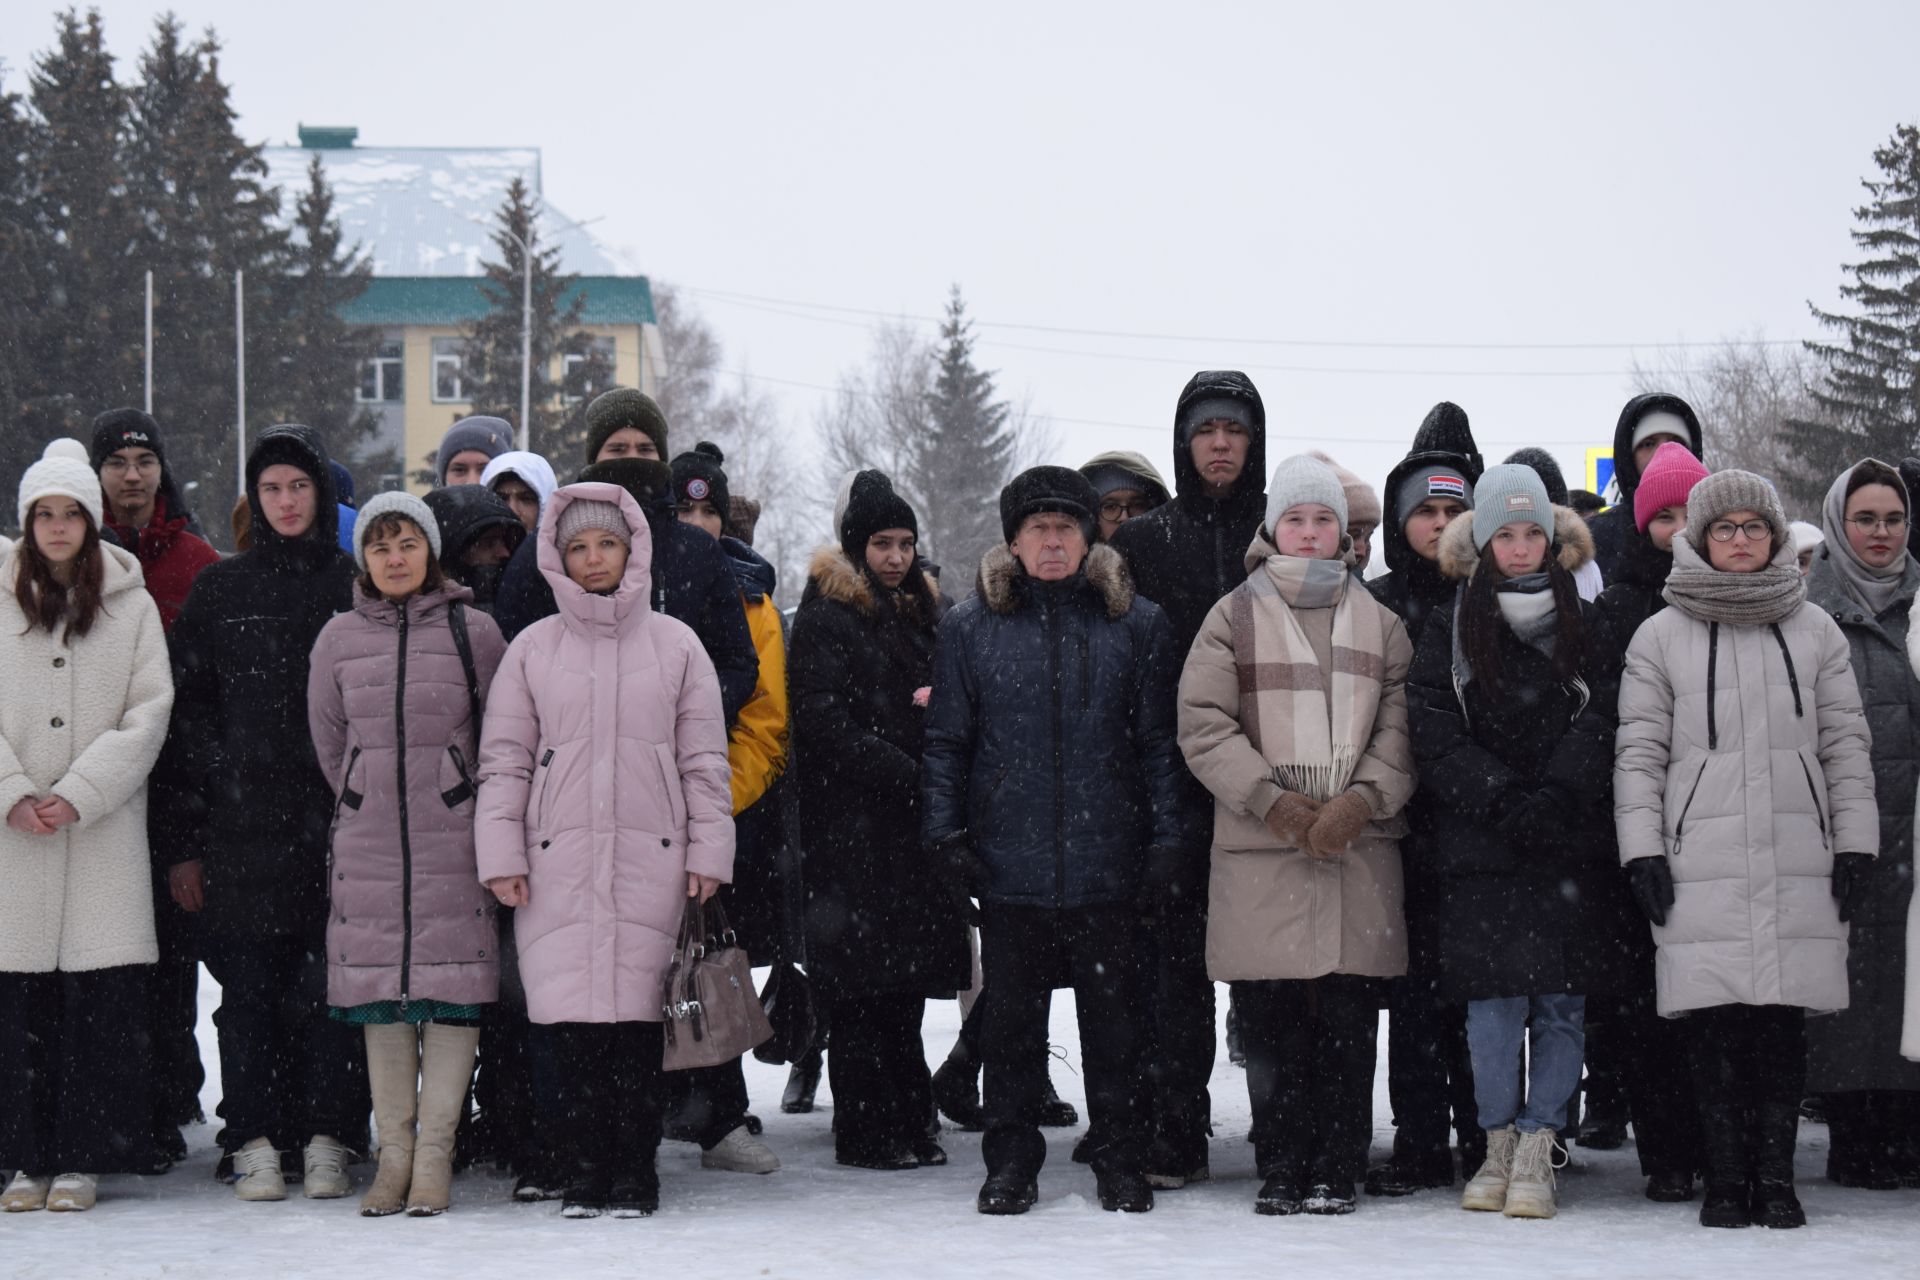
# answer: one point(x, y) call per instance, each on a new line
point(45, 600)
point(1481, 622)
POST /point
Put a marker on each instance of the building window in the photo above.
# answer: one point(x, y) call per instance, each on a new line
point(380, 377)
point(449, 370)
point(588, 371)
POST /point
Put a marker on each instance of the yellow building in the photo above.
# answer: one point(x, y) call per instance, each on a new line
point(424, 216)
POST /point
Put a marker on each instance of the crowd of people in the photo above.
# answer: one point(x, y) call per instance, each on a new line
point(1611, 812)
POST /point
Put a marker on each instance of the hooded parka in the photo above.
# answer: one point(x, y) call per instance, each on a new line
point(603, 780)
point(1274, 910)
point(1743, 759)
point(1050, 735)
point(82, 719)
point(393, 727)
point(1613, 528)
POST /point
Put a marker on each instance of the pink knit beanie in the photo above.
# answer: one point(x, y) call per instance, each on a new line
point(1670, 476)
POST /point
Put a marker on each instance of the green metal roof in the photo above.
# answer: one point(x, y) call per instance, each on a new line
point(457, 300)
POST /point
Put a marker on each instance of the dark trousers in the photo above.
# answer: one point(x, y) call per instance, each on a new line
point(287, 1071)
point(608, 1100)
point(882, 1090)
point(707, 1103)
point(1023, 950)
point(1180, 1036)
point(1650, 1058)
point(1746, 1055)
point(1310, 1055)
point(504, 1084)
point(173, 1007)
point(1429, 1070)
point(73, 1051)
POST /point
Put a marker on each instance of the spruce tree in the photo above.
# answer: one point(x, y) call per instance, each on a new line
point(23, 247)
point(966, 455)
point(558, 427)
point(87, 355)
point(319, 357)
point(1866, 401)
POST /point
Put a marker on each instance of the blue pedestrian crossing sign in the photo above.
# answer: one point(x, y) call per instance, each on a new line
point(1600, 474)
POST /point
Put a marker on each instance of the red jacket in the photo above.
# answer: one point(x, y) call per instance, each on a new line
point(170, 557)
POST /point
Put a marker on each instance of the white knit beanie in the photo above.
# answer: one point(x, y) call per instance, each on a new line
point(1301, 480)
point(64, 471)
point(394, 502)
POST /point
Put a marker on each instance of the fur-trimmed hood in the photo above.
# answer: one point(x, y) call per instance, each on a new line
point(832, 575)
point(1458, 559)
point(1104, 571)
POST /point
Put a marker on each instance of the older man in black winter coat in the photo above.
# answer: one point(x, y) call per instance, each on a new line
point(1051, 794)
point(1184, 557)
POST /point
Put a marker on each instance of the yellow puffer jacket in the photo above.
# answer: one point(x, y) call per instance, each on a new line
point(757, 747)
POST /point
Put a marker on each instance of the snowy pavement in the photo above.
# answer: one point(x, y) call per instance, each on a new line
point(816, 1219)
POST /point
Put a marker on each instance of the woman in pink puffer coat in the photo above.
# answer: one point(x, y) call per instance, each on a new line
point(605, 803)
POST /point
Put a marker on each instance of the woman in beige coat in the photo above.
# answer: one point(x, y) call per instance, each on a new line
point(83, 662)
point(1309, 772)
point(1743, 800)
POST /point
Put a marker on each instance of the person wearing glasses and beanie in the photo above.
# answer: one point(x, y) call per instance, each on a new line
point(1744, 802)
point(1866, 580)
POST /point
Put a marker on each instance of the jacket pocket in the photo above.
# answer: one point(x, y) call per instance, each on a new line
point(1813, 794)
point(1680, 823)
point(348, 798)
point(670, 779)
point(543, 778)
point(463, 790)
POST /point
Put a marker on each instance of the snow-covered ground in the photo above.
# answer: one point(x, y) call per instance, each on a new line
point(814, 1218)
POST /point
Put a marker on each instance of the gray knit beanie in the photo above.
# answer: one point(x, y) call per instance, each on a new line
point(1300, 480)
point(1509, 494)
point(1431, 482)
point(394, 502)
point(584, 514)
point(481, 434)
point(1725, 491)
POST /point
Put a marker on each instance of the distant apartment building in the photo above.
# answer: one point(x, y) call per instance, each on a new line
point(424, 215)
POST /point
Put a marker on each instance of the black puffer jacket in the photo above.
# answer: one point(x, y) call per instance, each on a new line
point(1613, 528)
point(1186, 555)
point(1414, 585)
point(1859, 1047)
point(1632, 594)
point(1523, 912)
point(464, 512)
point(692, 581)
point(877, 917)
point(250, 800)
point(1051, 736)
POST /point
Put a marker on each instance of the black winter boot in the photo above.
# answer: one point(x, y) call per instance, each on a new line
point(1725, 1203)
point(802, 1083)
point(1007, 1192)
point(1053, 1113)
point(1775, 1203)
point(956, 1092)
point(1123, 1191)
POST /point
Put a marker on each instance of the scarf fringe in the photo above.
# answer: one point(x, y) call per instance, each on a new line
point(1320, 781)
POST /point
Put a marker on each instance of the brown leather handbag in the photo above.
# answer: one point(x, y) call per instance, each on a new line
point(711, 1012)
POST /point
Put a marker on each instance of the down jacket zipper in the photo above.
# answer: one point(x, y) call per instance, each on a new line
point(1052, 615)
point(406, 845)
point(1680, 824)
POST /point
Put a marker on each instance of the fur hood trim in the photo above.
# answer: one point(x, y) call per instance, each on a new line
point(836, 578)
point(1104, 569)
point(1458, 559)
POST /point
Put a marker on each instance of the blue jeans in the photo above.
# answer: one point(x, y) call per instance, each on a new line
point(1497, 1031)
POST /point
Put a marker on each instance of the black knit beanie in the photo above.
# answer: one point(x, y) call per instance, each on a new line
point(1039, 489)
point(1547, 468)
point(872, 505)
point(118, 429)
point(623, 407)
point(699, 477)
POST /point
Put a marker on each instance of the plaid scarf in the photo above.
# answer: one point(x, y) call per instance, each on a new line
point(1312, 734)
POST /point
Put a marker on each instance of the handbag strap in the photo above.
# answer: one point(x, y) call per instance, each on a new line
point(457, 623)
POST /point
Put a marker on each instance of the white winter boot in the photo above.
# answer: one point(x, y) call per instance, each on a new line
point(740, 1152)
point(73, 1193)
point(256, 1170)
point(1487, 1190)
point(1530, 1193)
point(326, 1169)
point(446, 1068)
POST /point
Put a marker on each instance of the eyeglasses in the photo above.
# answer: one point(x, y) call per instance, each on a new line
point(1723, 530)
point(114, 463)
point(1120, 509)
point(1874, 524)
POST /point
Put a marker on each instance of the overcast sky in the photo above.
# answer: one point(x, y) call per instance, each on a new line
point(1309, 175)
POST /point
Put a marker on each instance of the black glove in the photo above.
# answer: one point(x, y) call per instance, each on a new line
point(1159, 881)
point(960, 872)
point(1538, 818)
point(1652, 881)
point(1850, 876)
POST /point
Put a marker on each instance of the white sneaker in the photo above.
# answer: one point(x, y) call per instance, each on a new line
point(1487, 1190)
point(326, 1169)
point(1530, 1194)
point(73, 1193)
point(740, 1152)
point(24, 1194)
point(256, 1172)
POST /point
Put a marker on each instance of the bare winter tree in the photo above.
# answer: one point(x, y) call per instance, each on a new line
point(1745, 391)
